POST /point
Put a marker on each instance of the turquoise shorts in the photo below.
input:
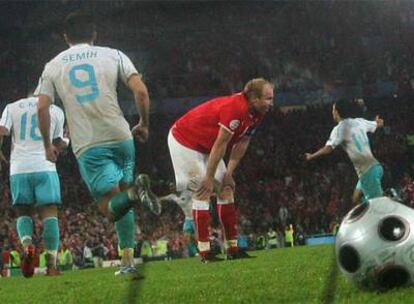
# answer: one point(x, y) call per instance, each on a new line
point(105, 166)
point(370, 182)
point(188, 226)
point(37, 188)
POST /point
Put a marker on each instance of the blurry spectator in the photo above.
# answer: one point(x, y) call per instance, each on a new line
point(65, 258)
point(87, 255)
point(271, 239)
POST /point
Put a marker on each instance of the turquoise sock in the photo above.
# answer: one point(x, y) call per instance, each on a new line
point(51, 233)
point(24, 225)
point(125, 228)
point(119, 205)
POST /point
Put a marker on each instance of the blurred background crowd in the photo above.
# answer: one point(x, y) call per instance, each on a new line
point(314, 52)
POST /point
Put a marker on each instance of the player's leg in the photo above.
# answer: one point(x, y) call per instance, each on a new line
point(48, 198)
point(185, 202)
point(227, 214)
point(370, 182)
point(108, 171)
point(50, 235)
point(24, 224)
point(357, 195)
point(23, 201)
point(189, 168)
point(102, 171)
point(125, 229)
point(202, 219)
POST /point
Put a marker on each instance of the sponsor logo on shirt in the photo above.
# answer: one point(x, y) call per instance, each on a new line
point(234, 124)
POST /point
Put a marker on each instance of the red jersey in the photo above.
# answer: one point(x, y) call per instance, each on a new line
point(198, 128)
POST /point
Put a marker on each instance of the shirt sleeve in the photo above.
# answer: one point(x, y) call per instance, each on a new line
point(336, 138)
point(45, 85)
point(125, 67)
point(368, 125)
point(230, 118)
point(60, 121)
point(6, 120)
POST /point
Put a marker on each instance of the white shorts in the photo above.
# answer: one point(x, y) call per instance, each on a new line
point(190, 166)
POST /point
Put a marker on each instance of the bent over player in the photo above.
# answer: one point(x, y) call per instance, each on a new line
point(198, 142)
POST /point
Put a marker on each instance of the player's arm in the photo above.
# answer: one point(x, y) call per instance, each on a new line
point(60, 133)
point(43, 115)
point(142, 103)
point(237, 153)
point(321, 152)
point(216, 155)
point(335, 139)
point(3, 132)
point(379, 121)
point(6, 125)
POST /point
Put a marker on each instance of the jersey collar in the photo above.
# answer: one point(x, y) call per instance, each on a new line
point(79, 45)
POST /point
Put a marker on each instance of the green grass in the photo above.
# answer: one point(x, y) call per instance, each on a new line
point(291, 275)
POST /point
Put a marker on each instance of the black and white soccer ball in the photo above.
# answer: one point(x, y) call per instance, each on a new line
point(375, 245)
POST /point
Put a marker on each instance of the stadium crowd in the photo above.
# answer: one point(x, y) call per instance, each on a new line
point(306, 48)
point(308, 57)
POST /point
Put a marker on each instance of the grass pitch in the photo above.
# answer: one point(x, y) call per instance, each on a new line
point(292, 275)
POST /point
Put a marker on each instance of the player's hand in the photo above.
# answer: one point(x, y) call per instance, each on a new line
point(379, 121)
point(140, 132)
point(206, 189)
point(228, 181)
point(52, 153)
point(308, 156)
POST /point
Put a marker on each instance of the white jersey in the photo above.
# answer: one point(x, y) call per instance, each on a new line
point(85, 77)
point(27, 150)
point(351, 134)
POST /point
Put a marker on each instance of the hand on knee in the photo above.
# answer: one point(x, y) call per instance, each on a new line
point(226, 195)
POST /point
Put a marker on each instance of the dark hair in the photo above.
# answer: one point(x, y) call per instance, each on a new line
point(345, 108)
point(79, 27)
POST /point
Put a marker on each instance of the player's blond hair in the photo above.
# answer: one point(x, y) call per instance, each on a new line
point(254, 87)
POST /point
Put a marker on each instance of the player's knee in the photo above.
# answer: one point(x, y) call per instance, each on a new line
point(48, 211)
point(24, 211)
point(194, 183)
point(356, 197)
point(227, 194)
point(103, 207)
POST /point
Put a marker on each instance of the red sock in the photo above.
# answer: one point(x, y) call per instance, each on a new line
point(228, 219)
point(202, 223)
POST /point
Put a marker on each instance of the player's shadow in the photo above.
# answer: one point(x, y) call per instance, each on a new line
point(329, 290)
point(135, 284)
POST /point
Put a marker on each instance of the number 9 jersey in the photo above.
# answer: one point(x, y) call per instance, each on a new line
point(85, 78)
point(27, 151)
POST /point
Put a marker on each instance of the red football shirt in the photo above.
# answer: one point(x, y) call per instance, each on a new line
point(198, 128)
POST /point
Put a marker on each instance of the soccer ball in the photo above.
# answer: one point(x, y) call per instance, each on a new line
point(375, 245)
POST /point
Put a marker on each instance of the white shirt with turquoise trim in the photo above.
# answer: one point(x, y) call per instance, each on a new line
point(351, 134)
point(27, 150)
point(85, 78)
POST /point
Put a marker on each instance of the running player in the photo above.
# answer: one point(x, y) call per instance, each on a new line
point(351, 135)
point(34, 182)
point(85, 78)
